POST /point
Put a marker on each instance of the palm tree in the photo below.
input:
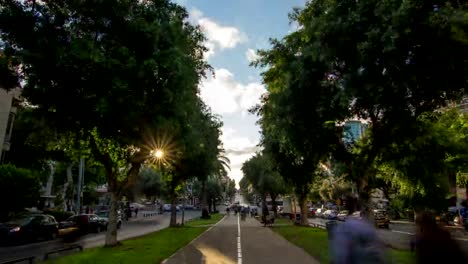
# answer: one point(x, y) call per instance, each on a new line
point(222, 163)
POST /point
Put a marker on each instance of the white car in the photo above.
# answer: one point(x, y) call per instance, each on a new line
point(167, 208)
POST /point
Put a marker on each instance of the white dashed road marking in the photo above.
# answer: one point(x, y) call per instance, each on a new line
point(239, 247)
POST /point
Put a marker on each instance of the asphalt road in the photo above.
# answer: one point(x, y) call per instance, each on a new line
point(399, 235)
point(130, 229)
point(234, 241)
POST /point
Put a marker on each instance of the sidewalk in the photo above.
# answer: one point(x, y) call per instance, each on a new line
point(232, 241)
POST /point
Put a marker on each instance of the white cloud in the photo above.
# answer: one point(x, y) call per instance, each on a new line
point(251, 55)
point(238, 150)
point(219, 37)
point(224, 94)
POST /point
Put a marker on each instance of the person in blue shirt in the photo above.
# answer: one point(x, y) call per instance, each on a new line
point(464, 214)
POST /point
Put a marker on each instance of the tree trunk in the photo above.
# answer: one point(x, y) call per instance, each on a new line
point(111, 235)
point(273, 205)
point(209, 206)
point(183, 211)
point(303, 204)
point(204, 200)
point(50, 180)
point(66, 187)
point(363, 191)
point(173, 221)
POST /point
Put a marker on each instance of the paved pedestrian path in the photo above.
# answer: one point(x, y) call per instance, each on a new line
point(234, 241)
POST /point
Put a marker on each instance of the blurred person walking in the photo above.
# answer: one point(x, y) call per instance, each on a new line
point(356, 240)
point(434, 244)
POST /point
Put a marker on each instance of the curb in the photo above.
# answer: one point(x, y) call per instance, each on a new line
point(191, 242)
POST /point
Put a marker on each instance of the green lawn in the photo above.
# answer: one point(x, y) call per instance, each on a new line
point(151, 248)
point(282, 221)
point(204, 222)
point(315, 242)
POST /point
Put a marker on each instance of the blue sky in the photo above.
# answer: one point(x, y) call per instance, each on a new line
point(235, 29)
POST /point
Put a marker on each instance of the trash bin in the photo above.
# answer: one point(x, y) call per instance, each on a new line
point(331, 225)
point(297, 219)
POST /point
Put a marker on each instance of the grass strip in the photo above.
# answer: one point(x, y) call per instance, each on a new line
point(150, 248)
point(315, 242)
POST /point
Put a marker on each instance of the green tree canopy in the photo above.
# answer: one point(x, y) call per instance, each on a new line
point(388, 62)
point(19, 186)
point(110, 71)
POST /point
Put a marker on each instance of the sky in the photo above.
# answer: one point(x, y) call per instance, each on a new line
point(235, 30)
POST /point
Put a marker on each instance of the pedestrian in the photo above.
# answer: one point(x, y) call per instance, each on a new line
point(356, 240)
point(87, 209)
point(265, 213)
point(434, 244)
point(464, 214)
point(136, 212)
point(227, 210)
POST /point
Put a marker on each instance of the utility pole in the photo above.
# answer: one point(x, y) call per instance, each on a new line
point(80, 185)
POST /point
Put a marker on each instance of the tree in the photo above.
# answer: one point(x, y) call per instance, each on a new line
point(437, 154)
point(21, 186)
point(334, 188)
point(230, 189)
point(297, 114)
point(392, 60)
point(150, 183)
point(121, 67)
point(388, 62)
point(8, 77)
point(265, 180)
point(213, 192)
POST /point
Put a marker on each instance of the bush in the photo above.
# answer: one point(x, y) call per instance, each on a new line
point(19, 189)
point(59, 215)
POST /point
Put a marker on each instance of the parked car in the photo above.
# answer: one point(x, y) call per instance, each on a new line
point(189, 207)
point(342, 215)
point(331, 215)
point(379, 217)
point(133, 206)
point(319, 212)
point(105, 216)
point(355, 215)
point(167, 208)
point(83, 224)
point(29, 228)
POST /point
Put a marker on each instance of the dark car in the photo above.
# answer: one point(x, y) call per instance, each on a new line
point(83, 224)
point(380, 218)
point(105, 216)
point(29, 228)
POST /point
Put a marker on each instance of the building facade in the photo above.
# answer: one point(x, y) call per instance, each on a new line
point(353, 131)
point(9, 101)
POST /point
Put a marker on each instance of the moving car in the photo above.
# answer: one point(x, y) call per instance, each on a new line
point(29, 228)
point(380, 218)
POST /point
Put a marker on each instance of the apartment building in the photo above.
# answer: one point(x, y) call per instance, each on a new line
point(9, 101)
